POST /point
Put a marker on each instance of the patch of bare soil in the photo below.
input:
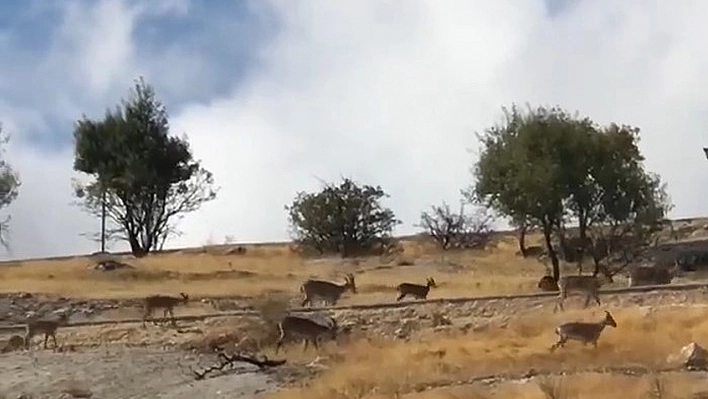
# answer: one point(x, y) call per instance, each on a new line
point(114, 372)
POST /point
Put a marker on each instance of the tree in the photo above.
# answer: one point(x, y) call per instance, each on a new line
point(457, 230)
point(547, 168)
point(632, 204)
point(9, 189)
point(518, 173)
point(347, 219)
point(146, 178)
point(617, 205)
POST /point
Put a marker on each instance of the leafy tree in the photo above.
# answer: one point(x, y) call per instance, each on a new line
point(632, 203)
point(9, 189)
point(519, 173)
point(457, 230)
point(547, 168)
point(617, 204)
point(347, 219)
point(146, 178)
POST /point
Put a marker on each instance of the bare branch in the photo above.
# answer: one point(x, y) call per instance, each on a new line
point(227, 360)
point(457, 230)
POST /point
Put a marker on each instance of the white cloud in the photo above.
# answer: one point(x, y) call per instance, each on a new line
point(392, 96)
point(391, 93)
point(98, 40)
point(44, 221)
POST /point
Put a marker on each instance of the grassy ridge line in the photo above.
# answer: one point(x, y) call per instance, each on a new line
point(392, 305)
point(192, 250)
point(198, 249)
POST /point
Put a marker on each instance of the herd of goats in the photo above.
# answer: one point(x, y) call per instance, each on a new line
point(310, 331)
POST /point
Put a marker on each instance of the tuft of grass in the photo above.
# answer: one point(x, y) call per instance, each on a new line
point(658, 388)
point(554, 388)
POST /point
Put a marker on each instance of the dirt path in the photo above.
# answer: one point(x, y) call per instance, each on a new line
point(118, 373)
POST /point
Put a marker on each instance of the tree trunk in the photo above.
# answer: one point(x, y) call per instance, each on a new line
point(597, 266)
point(563, 245)
point(135, 247)
point(522, 239)
point(582, 248)
point(547, 231)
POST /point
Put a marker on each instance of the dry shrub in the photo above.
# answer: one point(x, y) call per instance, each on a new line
point(271, 308)
point(249, 334)
point(658, 388)
point(554, 388)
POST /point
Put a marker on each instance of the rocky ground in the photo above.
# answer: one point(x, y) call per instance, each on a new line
point(117, 372)
point(126, 361)
point(15, 308)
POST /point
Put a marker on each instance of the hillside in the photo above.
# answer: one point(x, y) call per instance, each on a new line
point(483, 332)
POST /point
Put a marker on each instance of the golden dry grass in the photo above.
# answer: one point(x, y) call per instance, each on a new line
point(215, 271)
point(266, 268)
point(390, 369)
point(584, 385)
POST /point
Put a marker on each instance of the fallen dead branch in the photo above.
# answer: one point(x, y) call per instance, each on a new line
point(228, 360)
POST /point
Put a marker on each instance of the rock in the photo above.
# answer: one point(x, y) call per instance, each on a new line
point(318, 363)
point(692, 357)
point(62, 311)
point(401, 333)
point(645, 311)
point(441, 329)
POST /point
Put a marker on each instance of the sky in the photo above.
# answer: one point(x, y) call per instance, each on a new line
point(275, 95)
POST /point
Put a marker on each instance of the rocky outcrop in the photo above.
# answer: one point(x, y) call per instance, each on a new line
point(692, 357)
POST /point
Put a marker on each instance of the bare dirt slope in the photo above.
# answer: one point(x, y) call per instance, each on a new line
point(118, 373)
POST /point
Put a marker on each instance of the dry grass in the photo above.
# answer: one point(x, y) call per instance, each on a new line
point(581, 386)
point(390, 369)
point(215, 271)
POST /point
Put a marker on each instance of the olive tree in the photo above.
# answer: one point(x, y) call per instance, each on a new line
point(347, 218)
point(547, 168)
point(142, 177)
